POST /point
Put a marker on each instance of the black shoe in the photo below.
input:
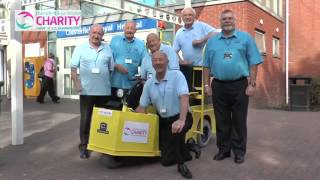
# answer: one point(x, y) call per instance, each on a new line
point(84, 154)
point(221, 156)
point(196, 149)
point(39, 101)
point(187, 157)
point(184, 171)
point(239, 159)
point(56, 101)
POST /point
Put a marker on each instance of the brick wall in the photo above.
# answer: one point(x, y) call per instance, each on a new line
point(304, 40)
point(271, 75)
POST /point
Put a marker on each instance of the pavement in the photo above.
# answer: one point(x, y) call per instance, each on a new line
point(282, 145)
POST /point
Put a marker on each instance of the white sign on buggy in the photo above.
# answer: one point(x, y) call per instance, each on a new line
point(136, 132)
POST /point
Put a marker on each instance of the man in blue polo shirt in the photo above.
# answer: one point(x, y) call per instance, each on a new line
point(154, 44)
point(95, 63)
point(168, 92)
point(232, 57)
point(190, 40)
point(128, 52)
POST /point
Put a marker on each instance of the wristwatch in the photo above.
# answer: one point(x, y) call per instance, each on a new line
point(253, 84)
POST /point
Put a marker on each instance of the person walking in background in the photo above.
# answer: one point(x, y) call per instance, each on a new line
point(47, 84)
point(232, 57)
point(95, 62)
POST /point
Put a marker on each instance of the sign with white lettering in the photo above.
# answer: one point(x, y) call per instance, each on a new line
point(109, 27)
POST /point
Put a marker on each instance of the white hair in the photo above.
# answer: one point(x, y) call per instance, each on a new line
point(186, 8)
point(97, 25)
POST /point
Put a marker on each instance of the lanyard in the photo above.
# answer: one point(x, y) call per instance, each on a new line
point(97, 52)
point(162, 93)
point(227, 42)
point(129, 48)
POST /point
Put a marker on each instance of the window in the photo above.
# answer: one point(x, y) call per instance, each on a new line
point(2, 26)
point(170, 2)
point(167, 36)
point(271, 6)
point(275, 47)
point(2, 13)
point(268, 3)
point(68, 84)
point(260, 41)
point(52, 36)
point(147, 2)
point(67, 56)
point(92, 10)
point(277, 7)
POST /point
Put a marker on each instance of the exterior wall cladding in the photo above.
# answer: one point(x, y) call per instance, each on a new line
point(304, 43)
point(271, 74)
point(34, 37)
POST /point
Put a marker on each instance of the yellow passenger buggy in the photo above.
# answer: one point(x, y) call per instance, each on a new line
point(118, 133)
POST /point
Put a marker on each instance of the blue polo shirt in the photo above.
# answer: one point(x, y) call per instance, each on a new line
point(88, 59)
point(147, 71)
point(129, 54)
point(184, 38)
point(165, 94)
point(230, 58)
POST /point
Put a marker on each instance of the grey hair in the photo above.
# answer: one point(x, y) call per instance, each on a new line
point(130, 21)
point(160, 53)
point(193, 11)
point(97, 25)
point(153, 34)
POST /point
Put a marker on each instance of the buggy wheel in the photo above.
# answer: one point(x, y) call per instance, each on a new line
point(110, 162)
point(204, 139)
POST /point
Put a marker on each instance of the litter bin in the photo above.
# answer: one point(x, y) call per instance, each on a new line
point(300, 93)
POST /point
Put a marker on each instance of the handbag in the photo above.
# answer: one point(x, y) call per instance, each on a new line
point(41, 73)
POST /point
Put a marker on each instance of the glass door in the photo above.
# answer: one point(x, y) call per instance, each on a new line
point(65, 48)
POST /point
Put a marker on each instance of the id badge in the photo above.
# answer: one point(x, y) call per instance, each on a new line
point(95, 70)
point(149, 76)
point(128, 61)
point(227, 55)
point(163, 110)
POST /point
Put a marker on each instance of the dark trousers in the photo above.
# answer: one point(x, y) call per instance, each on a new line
point(187, 72)
point(194, 78)
point(47, 85)
point(230, 107)
point(173, 147)
point(86, 106)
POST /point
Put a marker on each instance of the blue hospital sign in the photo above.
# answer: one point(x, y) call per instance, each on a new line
point(109, 27)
